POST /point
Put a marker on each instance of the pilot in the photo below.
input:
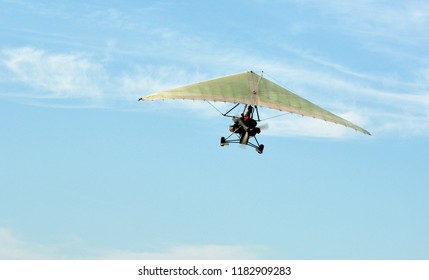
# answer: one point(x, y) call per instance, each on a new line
point(248, 122)
point(247, 118)
point(248, 114)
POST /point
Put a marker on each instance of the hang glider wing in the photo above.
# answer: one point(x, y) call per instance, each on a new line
point(252, 89)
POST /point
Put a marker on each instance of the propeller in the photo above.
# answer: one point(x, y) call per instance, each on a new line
point(263, 126)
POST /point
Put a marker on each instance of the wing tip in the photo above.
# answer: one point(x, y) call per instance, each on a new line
point(364, 131)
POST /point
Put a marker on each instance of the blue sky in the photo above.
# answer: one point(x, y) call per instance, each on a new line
point(87, 172)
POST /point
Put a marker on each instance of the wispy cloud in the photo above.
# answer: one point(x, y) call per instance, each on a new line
point(16, 248)
point(78, 76)
point(402, 21)
point(192, 252)
point(293, 125)
point(53, 75)
point(151, 79)
point(163, 57)
point(12, 247)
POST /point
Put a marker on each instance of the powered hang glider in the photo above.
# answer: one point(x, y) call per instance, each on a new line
point(252, 91)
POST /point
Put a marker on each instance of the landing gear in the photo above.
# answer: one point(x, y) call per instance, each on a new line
point(245, 128)
point(224, 142)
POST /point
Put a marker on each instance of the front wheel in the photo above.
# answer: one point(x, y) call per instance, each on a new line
point(260, 149)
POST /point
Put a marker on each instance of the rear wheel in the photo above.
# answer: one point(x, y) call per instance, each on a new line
point(223, 141)
point(260, 149)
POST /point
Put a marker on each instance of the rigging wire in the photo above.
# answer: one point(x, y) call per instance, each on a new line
point(261, 120)
point(272, 78)
point(276, 116)
point(215, 107)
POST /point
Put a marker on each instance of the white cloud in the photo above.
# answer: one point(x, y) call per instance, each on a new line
point(401, 21)
point(387, 103)
point(294, 125)
point(75, 76)
point(192, 252)
point(12, 247)
point(149, 79)
point(54, 75)
point(382, 100)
